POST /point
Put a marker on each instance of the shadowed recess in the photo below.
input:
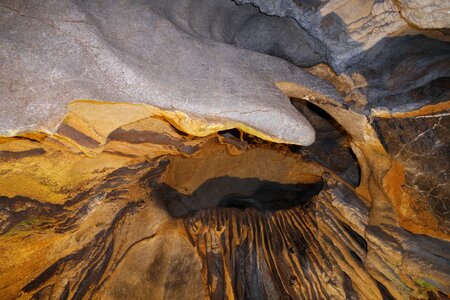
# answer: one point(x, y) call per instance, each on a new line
point(242, 193)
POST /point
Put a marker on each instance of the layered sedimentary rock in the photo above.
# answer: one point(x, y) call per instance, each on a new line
point(105, 209)
point(279, 150)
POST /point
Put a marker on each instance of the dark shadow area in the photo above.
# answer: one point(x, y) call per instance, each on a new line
point(332, 145)
point(384, 292)
point(21, 213)
point(231, 133)
point(357, 237)
point(234, 192)
point(273, 196)
point(403, 70)
point(348, 287)
point(244, 26)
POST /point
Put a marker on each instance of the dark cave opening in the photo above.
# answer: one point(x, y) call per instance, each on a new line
point(273, 196)
point(240, 193)
point(357, 237)
point(332, 146)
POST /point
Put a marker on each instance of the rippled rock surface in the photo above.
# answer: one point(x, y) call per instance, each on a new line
point(224, 149)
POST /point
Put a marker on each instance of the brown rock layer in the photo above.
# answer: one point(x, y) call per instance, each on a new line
point(115, 206)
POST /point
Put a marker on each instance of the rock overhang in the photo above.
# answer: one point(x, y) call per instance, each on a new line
point(193, 136)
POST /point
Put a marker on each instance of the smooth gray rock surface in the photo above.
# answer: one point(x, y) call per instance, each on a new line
point(53, 52)
point(346, 27)
point(245, 27)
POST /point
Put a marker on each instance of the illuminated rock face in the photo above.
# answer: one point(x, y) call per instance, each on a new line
point(198, 178)
point(150, 212)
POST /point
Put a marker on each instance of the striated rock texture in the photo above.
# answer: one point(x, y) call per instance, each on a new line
point(420, 144)
point(385, 52)
point(224, 149)
point(149, 212)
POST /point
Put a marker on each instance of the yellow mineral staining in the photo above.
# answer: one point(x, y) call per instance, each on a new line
point(100, 118)
point(412, 210)
point(87, 191)
point(423, 111)
point(96, 139)
point(261, 162)
point(346, 85)
point(382, 177)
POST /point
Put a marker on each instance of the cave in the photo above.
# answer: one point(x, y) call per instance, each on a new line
point(224, 149)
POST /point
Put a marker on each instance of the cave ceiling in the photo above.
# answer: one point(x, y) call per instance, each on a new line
point(218, 149)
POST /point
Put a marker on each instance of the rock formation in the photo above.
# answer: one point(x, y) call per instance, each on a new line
point(247, 149)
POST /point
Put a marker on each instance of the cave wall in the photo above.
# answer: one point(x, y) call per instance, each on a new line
point(224, 149)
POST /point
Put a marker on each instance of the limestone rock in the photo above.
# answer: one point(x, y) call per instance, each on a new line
point(117, 209)
point(419, 143)
point(186, 169)
point(53, 53)
point(426, 14)
point(375, 49)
